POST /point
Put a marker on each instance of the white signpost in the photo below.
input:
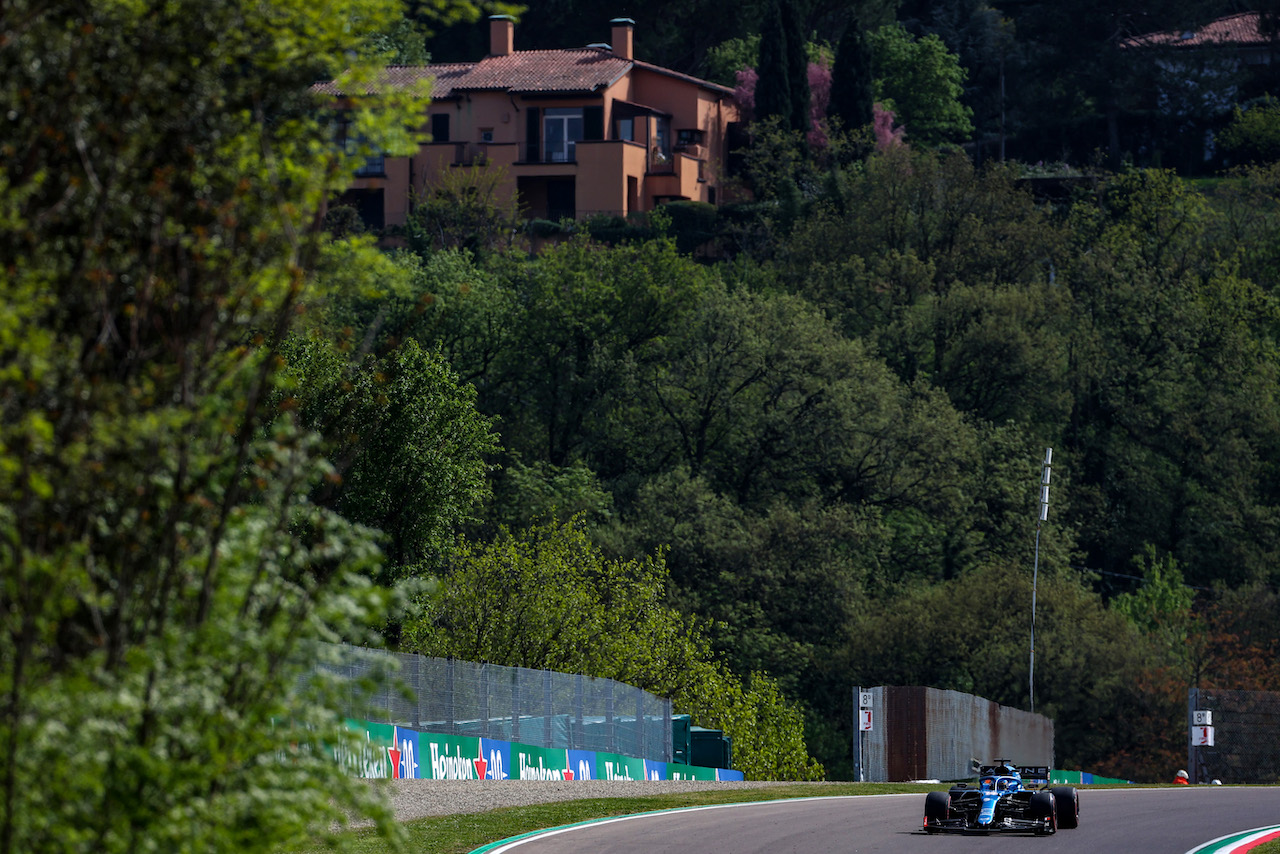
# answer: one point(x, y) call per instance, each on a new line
point(1202, 718)
point(1202, 736)
point(864, 725)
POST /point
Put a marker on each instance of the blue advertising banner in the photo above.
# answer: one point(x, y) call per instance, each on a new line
point(583, 764)
point(495, 759)
point(404, 754)
point(655, 770)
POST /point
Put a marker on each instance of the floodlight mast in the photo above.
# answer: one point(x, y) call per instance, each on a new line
point(1035, 572)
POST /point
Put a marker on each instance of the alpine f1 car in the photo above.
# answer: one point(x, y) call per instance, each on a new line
point(1006, 799)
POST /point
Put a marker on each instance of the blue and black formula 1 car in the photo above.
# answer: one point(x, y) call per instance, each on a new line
point(1007, 799)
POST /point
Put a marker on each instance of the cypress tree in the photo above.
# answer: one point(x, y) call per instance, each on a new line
point(797, 67)
point(851, 95)
point(773, 91)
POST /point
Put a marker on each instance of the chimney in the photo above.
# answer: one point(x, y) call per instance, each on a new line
point(623, 28)
point(502, 35)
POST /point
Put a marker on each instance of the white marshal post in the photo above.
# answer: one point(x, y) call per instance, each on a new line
point(1035, 572)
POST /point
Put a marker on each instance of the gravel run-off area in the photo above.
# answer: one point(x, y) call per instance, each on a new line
point(420, 798)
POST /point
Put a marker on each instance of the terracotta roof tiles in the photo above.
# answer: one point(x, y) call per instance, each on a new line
point(574, 70)
point(581, 70)
point(1239, 30)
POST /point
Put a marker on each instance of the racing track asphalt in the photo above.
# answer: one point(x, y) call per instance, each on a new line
point(1112, 821)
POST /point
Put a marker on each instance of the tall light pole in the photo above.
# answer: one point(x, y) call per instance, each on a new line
point(1035, 572)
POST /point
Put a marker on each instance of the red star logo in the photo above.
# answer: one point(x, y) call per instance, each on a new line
point(481, 765)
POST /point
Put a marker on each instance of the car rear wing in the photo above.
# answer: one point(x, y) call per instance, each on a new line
point(1034, 774)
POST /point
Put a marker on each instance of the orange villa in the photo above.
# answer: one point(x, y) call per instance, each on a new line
point(578, 132)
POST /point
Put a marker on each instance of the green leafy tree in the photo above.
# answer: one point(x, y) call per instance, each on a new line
point(1249, 220)
point(947, 268)
point(922, 83)
point(725, 60)
point(164, 576)
point(408, 448)
point(465, 210)
point(1163, 603)
point(548, 598)
point(1173, 379)
point(583, 313)
point(1253, 136)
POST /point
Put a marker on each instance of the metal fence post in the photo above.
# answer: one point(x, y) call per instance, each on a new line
point(546, 709)
point(668, 734)
point(448, 696)
point(608, 718)
point(640, 722)
point(515, 704)
point(417, 691)
point(577, 740)
point(485, 714)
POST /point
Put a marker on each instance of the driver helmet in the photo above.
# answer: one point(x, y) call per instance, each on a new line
point(1002, 784)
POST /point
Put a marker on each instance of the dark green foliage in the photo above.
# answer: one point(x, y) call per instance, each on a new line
point(774, 91)
point(693, 224)
point(1253, 137)
point(408, 448)
point(797, 64)
point(851, 82)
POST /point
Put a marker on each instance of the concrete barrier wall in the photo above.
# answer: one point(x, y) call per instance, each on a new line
point(931, 734)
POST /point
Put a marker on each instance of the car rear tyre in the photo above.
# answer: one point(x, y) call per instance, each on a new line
point(1068, 800)
point(937, 807)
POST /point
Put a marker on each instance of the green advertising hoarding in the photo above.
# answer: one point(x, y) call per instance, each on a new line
point(611, 766)
point(689, 772)
point(449, 757)
point(539, 763)
point(369, 756)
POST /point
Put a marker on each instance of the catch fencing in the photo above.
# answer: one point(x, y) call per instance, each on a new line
point(1245, 732)
point(931, 734)
point(541, 708)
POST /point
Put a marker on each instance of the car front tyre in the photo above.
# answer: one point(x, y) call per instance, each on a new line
point(1068, 806)
point(937, 807)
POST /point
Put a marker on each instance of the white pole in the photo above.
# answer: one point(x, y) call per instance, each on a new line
point(1031, 679)
point(1035, 572)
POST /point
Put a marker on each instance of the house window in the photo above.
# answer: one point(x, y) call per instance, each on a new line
point(439, 127)
point(688, 136)
point(662, 135)
point(486, 134)
point(625, 129)
point(351, 143)
point(660, 153)
point(561, 130)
